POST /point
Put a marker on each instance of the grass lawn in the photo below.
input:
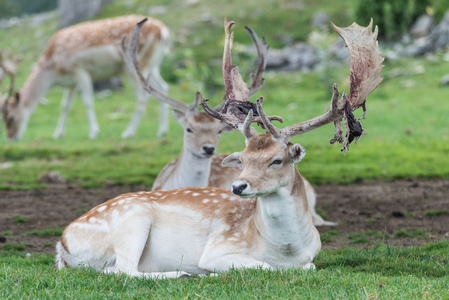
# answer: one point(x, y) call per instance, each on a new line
point(378, 272)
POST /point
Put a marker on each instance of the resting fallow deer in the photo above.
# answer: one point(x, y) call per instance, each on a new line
point(77, 55)
point(198, 165)
point(161, 234)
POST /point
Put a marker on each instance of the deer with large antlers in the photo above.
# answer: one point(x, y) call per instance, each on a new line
point(161, 234)
point(198, 165)
point(77, 55)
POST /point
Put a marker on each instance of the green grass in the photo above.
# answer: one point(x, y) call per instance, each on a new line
point(20, 219)
point(47, 232)
point(375, 272)
point(436, 212)
point(411, 233)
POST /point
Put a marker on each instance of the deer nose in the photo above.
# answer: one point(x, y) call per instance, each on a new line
point(209, 149)
point(239, 188)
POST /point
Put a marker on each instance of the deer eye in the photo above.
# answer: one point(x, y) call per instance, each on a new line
point(220, 131)
point(189, 130)
point(276, 162)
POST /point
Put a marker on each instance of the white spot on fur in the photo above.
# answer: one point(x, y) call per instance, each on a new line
point(158, 194)
point(215, 201)
point(101, 208)
point(205, 201)
point(187, 192)
point(195, 194)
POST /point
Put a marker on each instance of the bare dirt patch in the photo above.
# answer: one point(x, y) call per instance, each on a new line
point(400, 213)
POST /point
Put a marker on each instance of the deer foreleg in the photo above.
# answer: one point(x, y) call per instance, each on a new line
point(66, 103)
point(160, 84)
point(87, 94)
point(142, 100)
point(226, 262)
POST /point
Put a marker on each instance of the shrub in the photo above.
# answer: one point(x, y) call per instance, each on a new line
point(393, 17)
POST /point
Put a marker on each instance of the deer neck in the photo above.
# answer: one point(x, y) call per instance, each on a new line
point(193, 170)
point(284, 221)
point(36, 86)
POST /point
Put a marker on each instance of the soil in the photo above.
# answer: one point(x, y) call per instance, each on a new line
point(399, 213)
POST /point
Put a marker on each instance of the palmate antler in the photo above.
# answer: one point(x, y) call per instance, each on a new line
point(236, 104)
point(366, 65)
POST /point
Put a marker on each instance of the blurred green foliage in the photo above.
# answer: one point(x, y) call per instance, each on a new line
point(12, 8)
point(393, 17)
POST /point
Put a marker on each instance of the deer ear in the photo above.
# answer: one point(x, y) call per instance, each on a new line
point(179, 116)
point(16, 98)
point(233, 160)
point(296, 152)
point(226, 128)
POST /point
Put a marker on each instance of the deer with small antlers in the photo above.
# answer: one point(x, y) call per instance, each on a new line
point(166, 234)
point(77, 55)
point(198, 165)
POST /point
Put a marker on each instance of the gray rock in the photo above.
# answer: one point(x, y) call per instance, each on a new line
point(320, 20)
point(422, 26)
point(445, 80)
point(74, 11)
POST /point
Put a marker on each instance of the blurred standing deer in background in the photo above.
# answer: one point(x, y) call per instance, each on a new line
point(77, 55)
point(198, 164)
point(161, 234)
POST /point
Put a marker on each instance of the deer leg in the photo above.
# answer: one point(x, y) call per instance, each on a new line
point(87, 94)
point(226, 262)
point(162, 86)
point(66, 103)
point(142, 100)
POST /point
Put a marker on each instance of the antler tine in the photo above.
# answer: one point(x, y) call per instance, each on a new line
point(366, 65)
point(235, 87)
point(198, 98)
point(271, 129)
point(129, 53)
point(262, 52)
point(247, 130)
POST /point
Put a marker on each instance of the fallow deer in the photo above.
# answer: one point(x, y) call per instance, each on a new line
point(198, 165)
point(161, 234)
point(77, 55)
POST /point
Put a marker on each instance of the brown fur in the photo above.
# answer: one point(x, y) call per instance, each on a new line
point(262, 142)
